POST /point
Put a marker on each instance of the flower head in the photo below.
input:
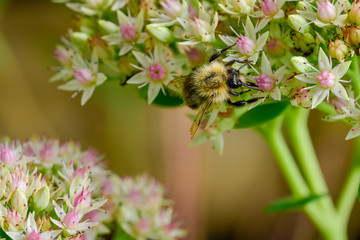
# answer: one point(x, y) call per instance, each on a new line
point(156, 71)
point(326, 79)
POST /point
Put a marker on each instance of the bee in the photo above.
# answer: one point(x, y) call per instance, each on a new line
point(213, 82)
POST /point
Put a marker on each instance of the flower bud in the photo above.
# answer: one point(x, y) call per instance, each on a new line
point(42, 198)
point(83, 75)
point(19, 202)
point(304, 6)
point(94, 3)
point(80, 39)
point(298, 23)
point(172, 8)
point(338, 50)
point(326, 11)
point(275, 47)
point(354, 35)
point(265, 82)
point(354, 13)
point(269, 7)
point(160, 32)
point(300, 64)
point(246, 46)
point(108, 26)
point(7, 155)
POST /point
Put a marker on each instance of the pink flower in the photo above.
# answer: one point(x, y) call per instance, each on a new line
point(326, 79)
point(269, 7)
point(265, 82)
point(7, 155)
point(143, 226)
point(157, 72)
point(83, 75)
point(47, 154)
point(246, 45)
point(90, 157)
point(83, 199)
point(354, 13)
point(13, 217)
point(172, 8)
point(326, 11)
point(129, 32)
point(34, 236)
point(71, 220)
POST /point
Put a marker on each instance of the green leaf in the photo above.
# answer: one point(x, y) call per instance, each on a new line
point(120, 234)
point(290, 203)
point(3, 235)
point(261, 114)
point(168, 100)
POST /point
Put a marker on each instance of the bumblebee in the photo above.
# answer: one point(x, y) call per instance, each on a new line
point(213, 82)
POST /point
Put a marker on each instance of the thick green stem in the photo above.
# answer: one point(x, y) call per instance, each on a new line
point(273, 136)
point(349, 191)
point(327, 226)
point(297, 129)
point(354, 73)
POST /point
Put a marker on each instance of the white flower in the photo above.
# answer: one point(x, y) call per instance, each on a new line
point(237, 7)
point(32, 231)
point(327, 13)
point(326, 79)
point(156, 71)
point(247, 46)
point(172, 10)
point(130, 32)
point(86, 77)
point(200, 29)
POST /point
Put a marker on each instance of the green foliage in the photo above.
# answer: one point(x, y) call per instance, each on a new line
point(261, 114)
point(168, 100)
point(290, 203)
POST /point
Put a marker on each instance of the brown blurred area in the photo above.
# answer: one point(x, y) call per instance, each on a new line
point(216, 197)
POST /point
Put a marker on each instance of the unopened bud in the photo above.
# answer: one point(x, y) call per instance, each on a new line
point(42, 198)
point(80, 39)
point(326, 11)
point(304, 6)
point(19, 202)
point(160, 32)
point(300, 64)
point(298, 23)
point(108, 26)
point(354, 13)
point(338, 50)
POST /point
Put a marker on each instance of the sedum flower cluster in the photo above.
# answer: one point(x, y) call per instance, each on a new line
point(55, 190)
point(304, 52)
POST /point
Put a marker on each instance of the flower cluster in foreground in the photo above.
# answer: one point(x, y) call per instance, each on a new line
point(55, 190)
point(299, 51)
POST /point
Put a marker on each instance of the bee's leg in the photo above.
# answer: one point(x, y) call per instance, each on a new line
point(217, 54)
point(238, 61)
point(236, 94)
point(241, 103)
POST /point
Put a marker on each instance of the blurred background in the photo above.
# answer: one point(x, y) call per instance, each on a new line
point(216, 197)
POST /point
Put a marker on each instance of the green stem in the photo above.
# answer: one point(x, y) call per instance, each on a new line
point(354, 73)
point(349, 191)
point(328, 227)
point(296, 122)
point(273, 136)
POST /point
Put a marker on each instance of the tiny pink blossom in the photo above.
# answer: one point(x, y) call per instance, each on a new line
point(79, 172)
point(7, 155)
point(143, 226)
point(62, 55)
point(107, 188)
point(71, 220)
point(83, 198)
point(134, 196)
point(17, 181)
point(83, 75)
point(265, 82)
point(269, 7)
point(34, 236)
point(129, 32)
point(246, 45)
point(157, 72)
point(47, 154)
point(354, 13)
point(13, 217)
point(194, 55)
point(339, 103)
point(90, 157)
point(92, 216)
point(326, 79)
point(172, 8)
point(326, 11)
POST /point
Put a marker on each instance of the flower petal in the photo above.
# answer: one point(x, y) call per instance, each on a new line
point(138, 78)
point(265, 65)
point(141, 58)
point(318, 97)
point(153, 91)
point(71, 85)
point(260, 42)
point(125, 49)
point(341, 69)
point(324, 62)
point(354, 132)
point(87, 93)
point(307, 78)
point(339, 91)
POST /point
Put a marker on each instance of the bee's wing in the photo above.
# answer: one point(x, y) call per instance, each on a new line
point(177, 84)
point(200, 115)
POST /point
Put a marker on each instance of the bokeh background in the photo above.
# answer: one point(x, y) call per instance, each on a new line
point(216, 197)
